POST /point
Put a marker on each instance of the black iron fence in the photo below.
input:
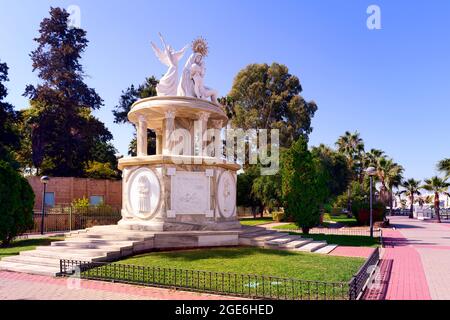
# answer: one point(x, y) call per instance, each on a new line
point(224, 283)
point(399, 212)
point(354, 231)
point(67, 218)
point(361, 279)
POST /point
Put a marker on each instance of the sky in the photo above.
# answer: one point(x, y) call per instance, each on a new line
point(390, 84)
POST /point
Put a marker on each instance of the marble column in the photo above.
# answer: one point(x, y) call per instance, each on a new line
point(203, 118)
point(218, 144)
point(159, 143)
point(141, 136)
point(168, 127)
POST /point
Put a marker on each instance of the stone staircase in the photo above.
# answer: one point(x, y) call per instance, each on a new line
point(261, 237)
point(110, 243)
point(94, 245)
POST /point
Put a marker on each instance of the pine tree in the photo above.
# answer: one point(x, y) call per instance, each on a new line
point(63, 132)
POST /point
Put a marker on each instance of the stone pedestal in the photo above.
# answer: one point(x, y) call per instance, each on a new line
point(181, 188)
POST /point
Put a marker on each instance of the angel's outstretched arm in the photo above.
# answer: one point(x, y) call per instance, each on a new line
point(162, 40)
point(179, 54)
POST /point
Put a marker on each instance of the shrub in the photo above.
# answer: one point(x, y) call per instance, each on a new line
point(304, 186)
point(278, 216)
point(80, 203)
point(16, 204)
point(361, 211)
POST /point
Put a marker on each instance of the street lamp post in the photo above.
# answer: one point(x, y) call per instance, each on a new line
point(44, 181)
point(371, 171)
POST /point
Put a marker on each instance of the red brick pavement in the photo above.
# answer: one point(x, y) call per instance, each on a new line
point(26, 286)
point(401, 275)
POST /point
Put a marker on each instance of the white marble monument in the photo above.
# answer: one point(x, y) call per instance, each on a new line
point(186, 186)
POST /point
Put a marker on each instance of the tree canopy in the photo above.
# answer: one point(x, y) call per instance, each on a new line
point(130, 96)
point(9, 135)
point(304, 185)
point(64, 136)
point(268, 97)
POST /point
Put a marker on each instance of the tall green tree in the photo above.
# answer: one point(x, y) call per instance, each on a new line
point(130, 96)
point(9, 135)
point(337, 168)
point(16, 204)
point(438, 186)
point(351, 145)
point(268, 97)
point(267, 189)
point(63, 132)
point(444, 166)
point(412, 188)
point(304, 185)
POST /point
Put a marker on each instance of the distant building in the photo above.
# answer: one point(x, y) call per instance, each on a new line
point(63, 190)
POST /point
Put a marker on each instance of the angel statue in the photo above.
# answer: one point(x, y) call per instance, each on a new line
point(167, 85)
point(192, 78)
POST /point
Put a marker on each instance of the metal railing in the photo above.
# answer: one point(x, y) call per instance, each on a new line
point(362, 232)
point(429, 213)
point(360, 280)
point(223, 283)
point(67, 218)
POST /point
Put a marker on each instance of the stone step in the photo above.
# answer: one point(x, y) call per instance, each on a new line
point(312, 246)
point(260, 240)
point(84, 251)
point(27, 268)
point(254, 233)
point(91, 256)
point(327, 249)
point(295, 244)
point(113, 237)
point(48, 262)
point(93, 245)
point(57, 252)
point(282, 240)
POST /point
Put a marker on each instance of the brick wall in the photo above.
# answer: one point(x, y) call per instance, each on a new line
point(68, 189)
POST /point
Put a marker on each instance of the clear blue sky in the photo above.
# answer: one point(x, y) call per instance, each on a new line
point(392, 85)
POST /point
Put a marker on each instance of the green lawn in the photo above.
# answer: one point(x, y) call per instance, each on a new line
point(259, 261)
point(22, 245)
point(255, 222)
point(342, 219)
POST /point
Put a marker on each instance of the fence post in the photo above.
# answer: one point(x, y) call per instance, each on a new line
point(70, 218)
point(352, 289)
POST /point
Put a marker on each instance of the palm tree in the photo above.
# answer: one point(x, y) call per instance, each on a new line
point(444, 166)
point(393, 175)
point(437, 185)
point(352, 147)
point(412, 188)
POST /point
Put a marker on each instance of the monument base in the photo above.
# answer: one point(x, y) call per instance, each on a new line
point(157, 226)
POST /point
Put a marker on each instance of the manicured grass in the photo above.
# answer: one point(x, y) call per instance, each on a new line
point(255, 222)
point(343, 219)
point(23, 245)
point(244, 260)
point(343, 240)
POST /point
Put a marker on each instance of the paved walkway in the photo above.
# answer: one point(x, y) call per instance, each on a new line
point(21, 286)
point(416, 262)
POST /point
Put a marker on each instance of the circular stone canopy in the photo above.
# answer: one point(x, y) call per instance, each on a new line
point(153, 110)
